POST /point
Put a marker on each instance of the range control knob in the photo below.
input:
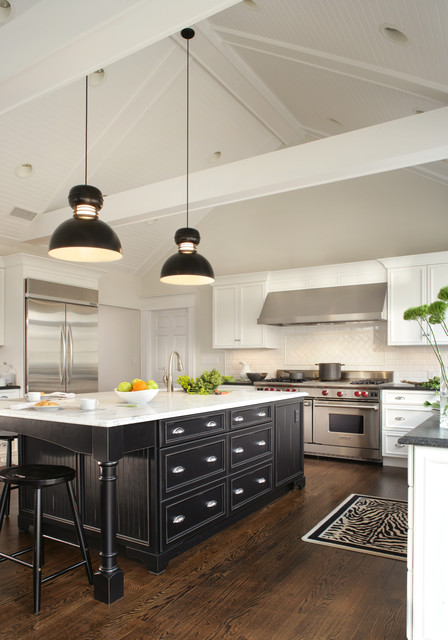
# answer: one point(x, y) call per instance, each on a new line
point(325, 392)
point(357, 394)
point(365, 394)
point(340, 394)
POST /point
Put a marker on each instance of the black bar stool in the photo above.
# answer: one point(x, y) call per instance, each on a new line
point(9, 437)
point(40, 476)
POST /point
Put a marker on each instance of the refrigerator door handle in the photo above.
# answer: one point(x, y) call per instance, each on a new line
point(63, 355)
point(70, 358)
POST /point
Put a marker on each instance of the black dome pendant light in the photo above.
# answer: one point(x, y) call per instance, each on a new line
point(85, 238)
point(187, 267)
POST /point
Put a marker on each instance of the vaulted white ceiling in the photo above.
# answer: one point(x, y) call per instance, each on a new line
point(267, 76)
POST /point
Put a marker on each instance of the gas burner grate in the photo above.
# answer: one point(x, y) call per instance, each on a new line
point(369, 381)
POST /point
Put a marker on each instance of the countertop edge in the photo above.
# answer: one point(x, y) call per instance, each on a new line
point(427, 434)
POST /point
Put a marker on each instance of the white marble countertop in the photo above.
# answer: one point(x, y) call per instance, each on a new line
point(111, 411)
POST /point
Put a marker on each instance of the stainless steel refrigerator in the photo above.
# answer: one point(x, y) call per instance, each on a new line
point(61, 328)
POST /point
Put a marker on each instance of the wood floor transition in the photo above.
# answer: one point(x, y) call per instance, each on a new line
point(255, 581)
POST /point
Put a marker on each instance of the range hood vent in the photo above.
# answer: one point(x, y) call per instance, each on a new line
point(355, 303)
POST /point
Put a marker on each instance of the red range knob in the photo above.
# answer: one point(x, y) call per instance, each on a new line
point(365, 394)
point(339, 394)
point(325, 392)
point(288, 389)
point(357, 393)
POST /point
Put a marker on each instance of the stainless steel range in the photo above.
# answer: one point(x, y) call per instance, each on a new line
point(341, 418)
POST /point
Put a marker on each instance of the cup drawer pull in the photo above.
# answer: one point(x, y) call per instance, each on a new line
point(400, 398)
point(399, 446)
point(211, 504)
point(261, 414)
point(239, 450)
point(400, 418)
point(261, 443)
point(238, 492)
point(178, 519)
point(212, 459)
point(211, 423)
point(178, 430)
point(261, 480)
point(178, 469)
point(238, 419)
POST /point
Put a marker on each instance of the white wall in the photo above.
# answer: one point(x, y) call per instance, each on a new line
point(119, 346)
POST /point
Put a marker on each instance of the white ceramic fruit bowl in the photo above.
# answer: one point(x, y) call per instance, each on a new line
point(137, 397)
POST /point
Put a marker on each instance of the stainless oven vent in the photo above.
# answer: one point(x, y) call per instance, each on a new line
point(354, 303)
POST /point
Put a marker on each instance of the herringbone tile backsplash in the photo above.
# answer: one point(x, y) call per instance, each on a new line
point(360, 347)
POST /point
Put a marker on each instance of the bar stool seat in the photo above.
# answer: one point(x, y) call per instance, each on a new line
point(9, 437)
point(38, 477)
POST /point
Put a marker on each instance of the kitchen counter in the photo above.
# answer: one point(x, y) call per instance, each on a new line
point(427, 434)
point(135, 444)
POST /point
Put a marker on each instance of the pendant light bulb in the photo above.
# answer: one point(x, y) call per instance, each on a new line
point(85, 238)
point(187, 266)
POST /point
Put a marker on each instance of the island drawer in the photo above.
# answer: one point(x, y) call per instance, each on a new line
point(183, 429)
point(250, 485)
point(250, 445)
point(183, 465)
point(250, 416)
point(182, 517)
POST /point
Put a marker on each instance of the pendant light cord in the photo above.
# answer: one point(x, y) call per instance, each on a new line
point(188, 122)
point(87, 109)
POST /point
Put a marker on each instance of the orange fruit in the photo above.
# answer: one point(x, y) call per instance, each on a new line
point(139, 385)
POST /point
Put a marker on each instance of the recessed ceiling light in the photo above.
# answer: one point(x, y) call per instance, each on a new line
point(5, 10)
point(251, 4)
point(215, 157)
point(391, 32)
point(24, 170)
point(97, 77)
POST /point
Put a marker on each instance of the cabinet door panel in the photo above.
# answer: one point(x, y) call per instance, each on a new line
point(437, 278)
point(289, 442)
point(225, 311)
point(251, 302)
point(407, 288)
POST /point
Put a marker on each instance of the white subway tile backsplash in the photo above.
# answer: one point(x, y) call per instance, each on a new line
point(361, 347)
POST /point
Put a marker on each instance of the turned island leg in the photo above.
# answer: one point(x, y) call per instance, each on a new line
point(109, 579)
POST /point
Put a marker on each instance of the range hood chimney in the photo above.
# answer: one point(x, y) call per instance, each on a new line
point(354, 303)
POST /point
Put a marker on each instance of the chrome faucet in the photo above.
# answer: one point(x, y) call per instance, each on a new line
point(168, 379)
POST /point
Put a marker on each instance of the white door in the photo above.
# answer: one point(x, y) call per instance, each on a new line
point(169, 333)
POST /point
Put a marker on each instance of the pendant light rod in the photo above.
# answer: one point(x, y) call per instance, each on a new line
point(187, 34)
point(87, 122)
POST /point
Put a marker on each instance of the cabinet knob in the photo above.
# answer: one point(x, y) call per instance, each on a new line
point(211, 504)
point(238, 419)
point(178, 469)
point(400, 418)
point(212, 459)
point(212, 423)
point(261, 443)
point(178, 519)
point(261, 414)
point(238, 492)
point(238, 450)
point(261, 480)
point(178, 430)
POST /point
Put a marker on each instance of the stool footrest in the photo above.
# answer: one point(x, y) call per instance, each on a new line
point(62, 571)
point(5, 556)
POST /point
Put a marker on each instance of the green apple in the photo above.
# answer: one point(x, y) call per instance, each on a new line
point(135, 380)
point(152, 385)
point(124, 386)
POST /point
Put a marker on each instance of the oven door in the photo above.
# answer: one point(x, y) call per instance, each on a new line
point(347, 424)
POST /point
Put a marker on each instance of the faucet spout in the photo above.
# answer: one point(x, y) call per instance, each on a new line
point(180, 367)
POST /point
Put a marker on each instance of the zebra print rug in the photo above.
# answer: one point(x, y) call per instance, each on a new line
point(366, 524)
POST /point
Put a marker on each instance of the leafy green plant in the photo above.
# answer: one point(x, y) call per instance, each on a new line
point(206, 384)
point(432, 383)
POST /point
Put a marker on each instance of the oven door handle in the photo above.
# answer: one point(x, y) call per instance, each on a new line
point(340, 405)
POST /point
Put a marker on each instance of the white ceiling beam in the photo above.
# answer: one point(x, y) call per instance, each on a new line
point(384, 147)
point(59, 41)
point(337, 64)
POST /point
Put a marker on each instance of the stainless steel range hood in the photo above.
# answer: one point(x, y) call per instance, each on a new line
point(355, 303)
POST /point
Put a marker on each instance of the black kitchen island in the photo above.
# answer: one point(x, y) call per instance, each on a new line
point(156, 480)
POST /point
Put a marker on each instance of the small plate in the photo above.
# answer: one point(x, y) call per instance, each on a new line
point(52, 408)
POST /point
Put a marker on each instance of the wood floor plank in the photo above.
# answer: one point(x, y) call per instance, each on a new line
point(255, 581)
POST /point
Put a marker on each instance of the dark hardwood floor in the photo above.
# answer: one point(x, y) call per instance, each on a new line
point(255, 581)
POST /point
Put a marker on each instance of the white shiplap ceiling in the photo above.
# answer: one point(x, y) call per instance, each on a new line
point(263, 77)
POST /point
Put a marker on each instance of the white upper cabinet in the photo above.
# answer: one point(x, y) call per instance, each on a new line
point(236, 308)
point(410, 285)
point(2, 306)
